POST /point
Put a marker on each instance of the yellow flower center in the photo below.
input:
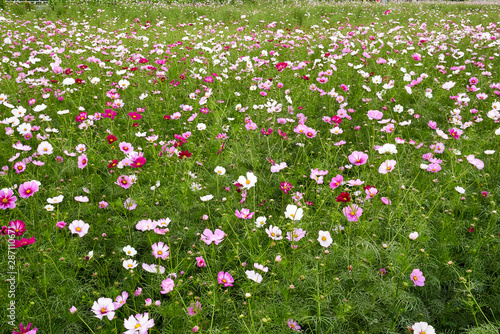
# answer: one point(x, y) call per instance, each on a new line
point(323, 238)
point(137, 326)
point(5, 200)
point(103, 310)
point(224, 281)
point(353, 213)
point(130, 265)
point(78, 229)
point(45, 149)
point(28, 191)
point(415, 278)
point(388, 168)
point(160, 252)
point(248, 182)
point(273, 235)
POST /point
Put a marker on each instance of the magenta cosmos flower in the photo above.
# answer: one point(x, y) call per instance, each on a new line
point(28, 189)
point(200, 261)
point(336, 181)
point(293, 325)
point(25, 330)
point(352, 212)
point(7, 199)
point(358, 158)
point(417, 277)
point(17, 227)
point(225, 278)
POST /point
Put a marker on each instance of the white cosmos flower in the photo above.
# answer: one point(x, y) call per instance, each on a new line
point(49, 207)
point(129, 250)
point(220, 170)
point(206, 198)
point(260, 221)
point(324, 238)
point(413, 235)
point(254, 276)
point(460, 190)
point(129, 264)
point(293, 212)
point(248, 181)
point(55, 200)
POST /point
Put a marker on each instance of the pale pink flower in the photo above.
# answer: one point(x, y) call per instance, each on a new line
point(79, 227)
point(167, 286)
point(387, 166)
point(216, 237)
point(160, 250)
point(352, 212)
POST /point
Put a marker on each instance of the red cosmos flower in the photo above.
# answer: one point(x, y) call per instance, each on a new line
point(135, 125)
point(23, 242)
point(113, 163)
point(68, 71)
point(305, 77)
point(238, 187)
point(111, 139)
point(143, 61)
point(135, 115)
point(185, 154)
point(79, 81)
point(281, 66)
point(343, 197)
point(132, 69)
point(166, 117)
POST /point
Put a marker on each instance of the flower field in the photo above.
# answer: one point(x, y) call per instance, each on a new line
point(250, 168)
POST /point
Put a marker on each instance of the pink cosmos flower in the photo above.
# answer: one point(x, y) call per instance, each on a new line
point(296, 235)
point(293, 325)
point(417, 277)
point(352, 212)
point(126, 147)
point(386, 201)
point(375, 114)
point(7, 199)
point(358, 158)
point(201, 262)
point(371, 192)
point(167, 286)
point(73, 309)
point(28, 189)
point(216, 237)
point(434, 168)
point(194, 308)
point(82, 161)
point(387, 166)
point(130, 204)
point(103, 204)
point(225, 278)
point(356, 182)
point(19, 167)
point(244, 214)
point(120, 300)
point(124, 181)
point(336, 181)
point(79, 227)
point(160, 250)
